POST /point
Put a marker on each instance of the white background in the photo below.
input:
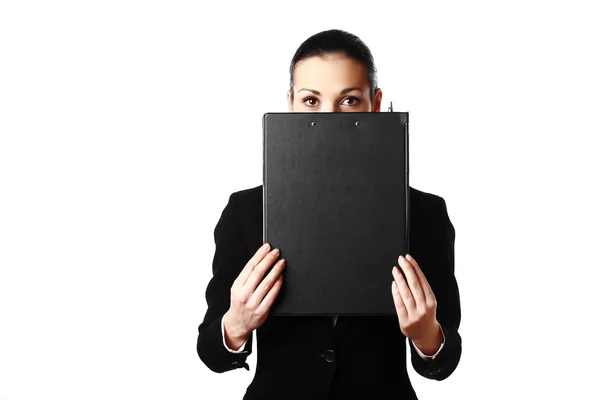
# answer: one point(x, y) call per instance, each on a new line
point(125, 125)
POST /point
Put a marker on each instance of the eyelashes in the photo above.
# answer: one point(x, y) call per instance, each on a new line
point(312, 101)
point(355, 100)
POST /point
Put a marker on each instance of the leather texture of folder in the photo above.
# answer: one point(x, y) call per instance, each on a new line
point(335, 202)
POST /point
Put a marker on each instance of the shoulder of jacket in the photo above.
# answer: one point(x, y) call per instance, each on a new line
point(251, 192)
point(247, 201)
point(426, 198)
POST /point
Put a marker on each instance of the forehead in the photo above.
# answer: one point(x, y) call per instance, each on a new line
point(330, 73)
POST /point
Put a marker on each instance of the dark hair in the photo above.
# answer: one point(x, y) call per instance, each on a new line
point(336, 41)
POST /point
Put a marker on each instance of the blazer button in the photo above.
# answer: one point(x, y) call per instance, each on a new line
point(435, 372)
point(329, 356)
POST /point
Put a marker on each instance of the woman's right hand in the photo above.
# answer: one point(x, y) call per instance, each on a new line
point(252, 296)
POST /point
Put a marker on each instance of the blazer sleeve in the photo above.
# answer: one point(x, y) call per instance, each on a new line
point(231, 255)
point(445, 288)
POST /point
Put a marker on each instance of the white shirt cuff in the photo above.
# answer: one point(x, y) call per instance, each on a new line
point(426, 357)
point(238, 351)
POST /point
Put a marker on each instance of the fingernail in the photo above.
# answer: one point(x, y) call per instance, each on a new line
point(276, 251)
point(394, 270)
point(265, 246)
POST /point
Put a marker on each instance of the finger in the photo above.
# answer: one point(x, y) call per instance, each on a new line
point(253, 262)
point(427, 291)
point(405, 293)
point(266, 284)
point(256, 276)
point(400, 307)
point(412, 280)
point(267, 302)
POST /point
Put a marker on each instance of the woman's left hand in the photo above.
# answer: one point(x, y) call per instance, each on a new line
point(416, 306)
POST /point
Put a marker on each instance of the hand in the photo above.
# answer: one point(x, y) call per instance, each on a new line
point(252, 296)
point(416, 306)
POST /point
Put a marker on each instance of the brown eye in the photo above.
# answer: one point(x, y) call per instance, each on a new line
point(310, 101)
point(350, 101)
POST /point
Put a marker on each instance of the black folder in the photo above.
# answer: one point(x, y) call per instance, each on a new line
point(335, 202)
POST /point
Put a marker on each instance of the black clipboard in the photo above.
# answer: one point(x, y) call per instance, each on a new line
point(336, 203)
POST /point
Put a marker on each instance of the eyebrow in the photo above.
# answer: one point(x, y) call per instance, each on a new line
point(316, 92)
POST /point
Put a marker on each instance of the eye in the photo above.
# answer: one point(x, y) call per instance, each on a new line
point(350, 101)
point(310, 101)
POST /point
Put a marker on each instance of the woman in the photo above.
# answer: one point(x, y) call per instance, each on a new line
point(317, 357)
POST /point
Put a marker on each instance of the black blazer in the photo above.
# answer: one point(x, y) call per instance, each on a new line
point(362, 357)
